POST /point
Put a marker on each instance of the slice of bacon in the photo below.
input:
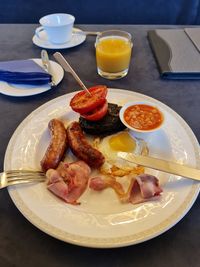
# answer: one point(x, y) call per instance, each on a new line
point(98, 183)
point(142, 188)
point(69, 180)
point(56, 184)
point(149, 185)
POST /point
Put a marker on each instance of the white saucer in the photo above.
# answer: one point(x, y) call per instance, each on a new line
point(28, 90)
point(78, 37)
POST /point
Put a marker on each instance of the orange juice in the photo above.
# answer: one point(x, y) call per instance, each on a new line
point(113, 54)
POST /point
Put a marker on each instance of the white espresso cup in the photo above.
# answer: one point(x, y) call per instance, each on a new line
point(58, 28)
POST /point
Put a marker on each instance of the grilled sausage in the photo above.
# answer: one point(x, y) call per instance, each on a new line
point(57, 146)
point(81, 148)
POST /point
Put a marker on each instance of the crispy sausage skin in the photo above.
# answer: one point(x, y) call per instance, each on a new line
point(81, 148)
point(57, 146)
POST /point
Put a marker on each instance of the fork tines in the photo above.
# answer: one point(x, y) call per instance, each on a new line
point(24, 174)
point(17, 173)
point(14, 177)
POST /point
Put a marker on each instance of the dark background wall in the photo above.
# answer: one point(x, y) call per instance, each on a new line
point(104, 11)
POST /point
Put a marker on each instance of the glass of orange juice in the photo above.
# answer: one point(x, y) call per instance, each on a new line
point(113, 53)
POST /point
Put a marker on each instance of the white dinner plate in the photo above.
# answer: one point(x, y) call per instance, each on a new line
point(78, 37)
point(29, 90)
point(101, 221)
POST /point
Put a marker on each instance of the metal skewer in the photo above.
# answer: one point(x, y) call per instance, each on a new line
point(63, 62)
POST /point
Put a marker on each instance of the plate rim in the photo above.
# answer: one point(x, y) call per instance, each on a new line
point(133, 239)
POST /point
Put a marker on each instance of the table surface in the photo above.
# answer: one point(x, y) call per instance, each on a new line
point(21, 243)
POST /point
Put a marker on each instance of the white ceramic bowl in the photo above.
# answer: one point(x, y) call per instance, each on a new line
point(129, 104)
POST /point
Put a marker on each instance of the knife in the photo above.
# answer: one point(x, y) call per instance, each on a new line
point(162, 165)
point(47, 65)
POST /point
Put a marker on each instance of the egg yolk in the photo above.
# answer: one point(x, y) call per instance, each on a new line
point(122, 142)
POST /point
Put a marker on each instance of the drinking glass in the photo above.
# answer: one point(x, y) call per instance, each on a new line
point(113, 53)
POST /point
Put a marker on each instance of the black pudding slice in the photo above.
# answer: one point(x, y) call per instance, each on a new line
point(109, 124)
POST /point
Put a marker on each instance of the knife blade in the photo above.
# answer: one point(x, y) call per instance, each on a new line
point(47, 65)
point(162, 165)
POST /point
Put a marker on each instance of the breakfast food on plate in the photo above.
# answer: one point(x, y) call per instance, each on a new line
point(115, 171)
point(109, 124)
point(111, 145)
point(81, 147)
point(92, 105)
point(141, 117)
point(100, 183)
point(149, 185)
point(57, 146)
point(122, 141)
point(68, 181)
point(141, 188)
point(97, 116)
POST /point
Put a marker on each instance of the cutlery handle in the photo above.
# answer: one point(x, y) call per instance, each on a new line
point(68, 68)
point(162, 165)
point(91, 33)
point(47, 65)
point(85, 32)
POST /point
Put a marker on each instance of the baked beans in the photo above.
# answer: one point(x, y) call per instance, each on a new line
point(143, 117)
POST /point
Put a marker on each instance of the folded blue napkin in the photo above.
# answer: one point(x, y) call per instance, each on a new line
point(23, 72)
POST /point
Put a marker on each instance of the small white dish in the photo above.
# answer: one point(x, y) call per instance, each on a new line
point(78, 37)
point(130, 104)
point(20, 90)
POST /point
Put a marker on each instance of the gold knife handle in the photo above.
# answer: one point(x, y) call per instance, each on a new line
point(162, 165)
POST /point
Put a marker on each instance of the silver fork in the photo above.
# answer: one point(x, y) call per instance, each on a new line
point(15, 177)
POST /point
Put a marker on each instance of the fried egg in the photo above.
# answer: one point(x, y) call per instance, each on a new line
point(122, 141)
